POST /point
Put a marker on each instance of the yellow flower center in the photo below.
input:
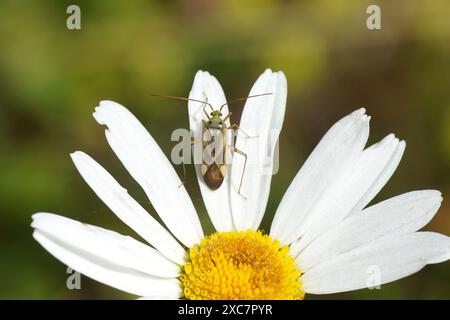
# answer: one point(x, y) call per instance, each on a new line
point(240, 265)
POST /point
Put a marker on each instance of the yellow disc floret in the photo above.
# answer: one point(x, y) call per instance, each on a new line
point(240, 265)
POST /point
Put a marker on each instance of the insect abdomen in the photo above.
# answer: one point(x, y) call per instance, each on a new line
point(213, 177)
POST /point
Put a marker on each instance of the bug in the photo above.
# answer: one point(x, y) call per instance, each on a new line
point(214, 141)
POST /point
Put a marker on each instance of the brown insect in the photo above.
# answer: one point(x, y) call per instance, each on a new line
point(214, 137)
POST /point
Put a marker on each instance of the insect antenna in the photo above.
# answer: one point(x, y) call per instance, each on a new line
point(243, 99)
point(183, 98)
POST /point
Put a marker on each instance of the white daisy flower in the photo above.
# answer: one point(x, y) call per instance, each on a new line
point(323, 238)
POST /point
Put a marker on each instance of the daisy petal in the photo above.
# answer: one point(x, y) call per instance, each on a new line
point(148, 165)
point(124, 279)
point(369, 174)
point(393, 217)
point(323, 174)
point(109, 246)
point(257, 137)
point(217, 202)
point(380, 174)
point(380, 262)
point(126, 208)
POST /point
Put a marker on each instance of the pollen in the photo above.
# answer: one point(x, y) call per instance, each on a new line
point(240, 265)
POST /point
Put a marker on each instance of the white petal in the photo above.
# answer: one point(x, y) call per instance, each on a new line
point(106, 245)
point(124, 279)
point(393, 217)
point(148, 165)
point(257, 137)
point(389, 259)
point(322, 175)
point(217, 202)
point(370, 172)
point(126, 208)
point(381, 177)
point(157, 298)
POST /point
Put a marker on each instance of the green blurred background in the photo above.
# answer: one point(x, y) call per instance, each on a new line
point(51, 78)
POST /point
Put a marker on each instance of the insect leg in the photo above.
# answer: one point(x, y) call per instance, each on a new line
point(234, 126)
point(204, 108)
point(227, 116)
point(193, 141)
point(206, 113)
point(242, 153)
point(184, 176)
